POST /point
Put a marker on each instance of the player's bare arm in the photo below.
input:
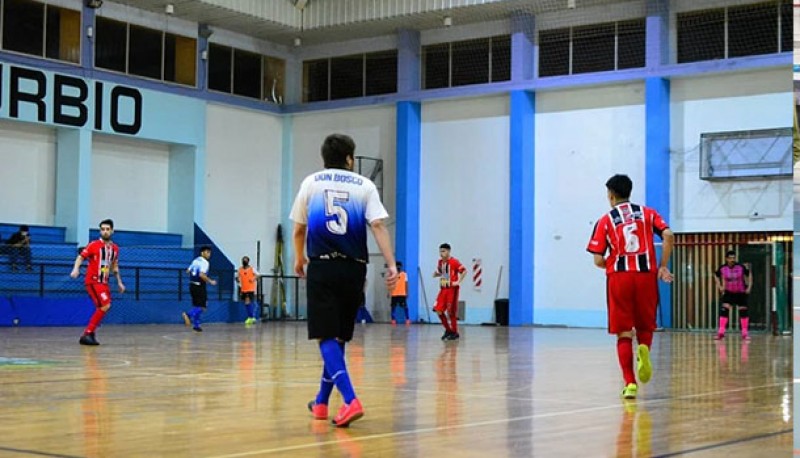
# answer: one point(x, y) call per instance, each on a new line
point(120, 285)
point(599, 261)
point(299, 242)
point(666, 251)
point(381, 235)
point(76, 267)
point(207, 279)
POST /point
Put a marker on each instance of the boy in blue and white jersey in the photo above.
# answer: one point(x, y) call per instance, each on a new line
point(198, 277)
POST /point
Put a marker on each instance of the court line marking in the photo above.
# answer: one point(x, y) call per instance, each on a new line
point(289, 448)
point(724, 444)
point(36, 453)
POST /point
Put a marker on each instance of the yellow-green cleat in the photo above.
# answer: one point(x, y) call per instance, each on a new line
point(629, 392)
point(644, 369)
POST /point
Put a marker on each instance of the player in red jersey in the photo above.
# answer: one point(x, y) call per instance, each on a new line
point(625, 234)
point(103, 256)
point(450, 273)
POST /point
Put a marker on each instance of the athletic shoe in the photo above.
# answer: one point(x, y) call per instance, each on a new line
point(394, 322)
point(197, 329)
point(88, 339)
point(250, 321)
point(745, 337)
point(719, 336)
point(644, 369)
point(319, 411)
point(629, 392)
point(186, 320)
point(453, 336)
point(446, 335)
point(408, 322)
point(348, 413)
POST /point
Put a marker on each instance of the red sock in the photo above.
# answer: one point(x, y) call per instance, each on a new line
point(625, 355)
point(444, 322)
point(94, 321)
point(645, 338)
point(454, 322)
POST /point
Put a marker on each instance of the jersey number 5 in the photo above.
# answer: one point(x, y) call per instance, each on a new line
point(333, 207)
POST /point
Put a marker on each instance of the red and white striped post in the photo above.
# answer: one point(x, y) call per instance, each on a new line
point(477, 272)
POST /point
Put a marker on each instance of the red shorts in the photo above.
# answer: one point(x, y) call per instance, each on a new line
point(632, 301)
point(447, 301)
point(100, 294)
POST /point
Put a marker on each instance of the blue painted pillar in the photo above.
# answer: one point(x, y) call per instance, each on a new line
point(74, 183)
point(657, 136)
point(522, 47)
point(408, 154)
point(521, 224)
point(87, 42)
point(202, 63)
point(409, 141)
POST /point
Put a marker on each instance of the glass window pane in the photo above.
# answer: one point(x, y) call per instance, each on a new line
point(110, 44)
point(347, 77)
point(315, 80)
point(436, 66)
point(63, 34)
point(501, 58)
point(786, 26)
point(180, 59)
point(701, 35)
point(593, 48)
point(219, 67)
point(246, 74)
point(23, 26)
point(145, 52)
point(554, 52)
point(631, 44)
point(382, 72)
point(752, 29)
point(274, 79)
point(470, 62)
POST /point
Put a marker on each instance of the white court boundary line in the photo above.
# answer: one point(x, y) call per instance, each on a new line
point(289, 448)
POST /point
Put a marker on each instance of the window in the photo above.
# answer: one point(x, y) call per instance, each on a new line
point(470, 62)
point(593, 48)
point(145, 48)
point(180, 59)
point(356, 75)
point(760, 28)
point(436, 64)
point(41, 30)
point(220, 67)
point(246, 74)
point(110, 49)
point(274, 79)
point(501, 58)
point(347, 77)
point(381, 72)
point(554, 55)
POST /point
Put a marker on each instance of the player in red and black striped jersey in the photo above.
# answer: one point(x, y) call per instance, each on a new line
point(103, 256)
point(450, 273)
point(622, 244)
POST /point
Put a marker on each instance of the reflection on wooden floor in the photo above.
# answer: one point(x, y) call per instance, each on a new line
point(235, 392)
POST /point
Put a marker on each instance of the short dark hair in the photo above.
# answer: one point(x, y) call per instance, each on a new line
point(398, 264)
point(446, 246)
point(106, 221)
point(730, 253)
point(336, 149)
point(620, 185)
point(205, 248)
point(24, 228)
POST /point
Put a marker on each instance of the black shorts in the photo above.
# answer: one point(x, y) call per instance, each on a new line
point(739, 299)
point(249, 295)
point(398, 301)
point(199, 295)
point(334, 291)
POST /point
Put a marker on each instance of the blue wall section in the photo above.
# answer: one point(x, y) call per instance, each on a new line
point(409, 146)
point(522, 208)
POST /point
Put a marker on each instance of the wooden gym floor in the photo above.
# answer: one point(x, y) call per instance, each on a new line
point(232, 391)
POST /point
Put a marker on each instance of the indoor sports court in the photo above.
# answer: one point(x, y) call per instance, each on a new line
point(488, 126)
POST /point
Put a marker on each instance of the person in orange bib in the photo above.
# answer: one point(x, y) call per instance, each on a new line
point(247, 277)
point(400, 293)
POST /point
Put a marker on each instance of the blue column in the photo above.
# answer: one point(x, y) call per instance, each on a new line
point(202, 64)
point(87, 42)
point(657, 122)
point(408, 61)
point(521, 224)
point(409, 128)
point(74, 183)
point(522, 47)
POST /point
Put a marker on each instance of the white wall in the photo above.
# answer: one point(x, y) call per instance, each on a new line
point(373, 130)
point(27, 174)
point(758, 100)
point(243, 182)
point(583, 136)
point(464, 193)
point(129, 183)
